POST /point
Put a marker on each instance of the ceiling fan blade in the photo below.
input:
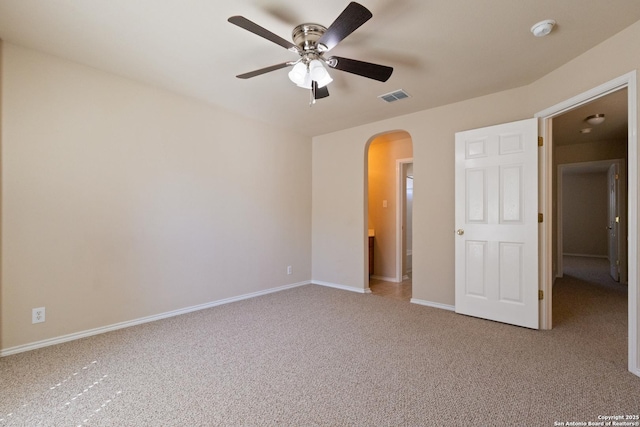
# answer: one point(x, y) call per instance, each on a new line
point(264, 70)
point(349, 20)
point(243, 22)
point(361, 68)
point(319, 92)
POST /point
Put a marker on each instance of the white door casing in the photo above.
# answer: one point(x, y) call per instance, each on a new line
point(496, 216)
point(613, 225)
point(401, 196)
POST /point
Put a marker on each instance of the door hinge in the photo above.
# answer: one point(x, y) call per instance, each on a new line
point(617, 176)
point(540, 294)
point(540, 141)
point(617, 262)
point(540, 217)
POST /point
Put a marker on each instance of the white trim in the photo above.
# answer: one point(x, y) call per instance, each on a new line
point(590, 95)
point(629, 81)
point(433, 304)
point(343, 287)
point(586, 255)
point(121, 325)
point(386, 279)
point(400, 213)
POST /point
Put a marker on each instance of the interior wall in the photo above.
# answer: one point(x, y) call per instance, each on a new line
point(585, 214)
point(1, 178)
point(590, 152)
point(122, 201)
point(338, 246)
point(383, 153)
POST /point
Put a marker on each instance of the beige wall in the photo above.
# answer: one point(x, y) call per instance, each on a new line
point(590, 152)
point(338, 243)
point(383, 153)
point(122, 201)
point(585, 201)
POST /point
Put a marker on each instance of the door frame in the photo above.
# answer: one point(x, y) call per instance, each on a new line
point(401, 195)
point(545, 195)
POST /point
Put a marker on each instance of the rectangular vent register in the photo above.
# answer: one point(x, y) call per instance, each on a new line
point(396, 95)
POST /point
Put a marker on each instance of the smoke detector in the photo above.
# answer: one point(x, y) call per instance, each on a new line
point(543, 28)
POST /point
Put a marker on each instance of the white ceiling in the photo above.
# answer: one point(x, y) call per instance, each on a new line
point(442, 51)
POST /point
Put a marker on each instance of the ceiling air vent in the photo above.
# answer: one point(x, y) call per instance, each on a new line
point(396, 95)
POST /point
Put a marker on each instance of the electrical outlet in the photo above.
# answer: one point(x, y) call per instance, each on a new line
point(37, 315)
point(289, 270)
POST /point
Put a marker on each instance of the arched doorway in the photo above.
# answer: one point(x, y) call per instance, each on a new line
point(388, 212)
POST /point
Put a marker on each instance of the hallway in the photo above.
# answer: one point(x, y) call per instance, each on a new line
point(400, 291)
point(588, 300)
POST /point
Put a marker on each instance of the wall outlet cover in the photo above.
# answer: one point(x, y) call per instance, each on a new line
point(37, 315)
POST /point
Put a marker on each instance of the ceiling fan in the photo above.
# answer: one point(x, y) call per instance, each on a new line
point(311, 42)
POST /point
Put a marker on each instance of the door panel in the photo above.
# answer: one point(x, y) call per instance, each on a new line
point(497, 223)
point(476, 196)
point(475, 270)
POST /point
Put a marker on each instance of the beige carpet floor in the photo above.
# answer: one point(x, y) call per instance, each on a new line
point(315, 356)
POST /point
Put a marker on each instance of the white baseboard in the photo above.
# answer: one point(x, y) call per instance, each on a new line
point(343, 287)
point(385, 279)
point(121, 325)
point(586, 255)
point(433, 304)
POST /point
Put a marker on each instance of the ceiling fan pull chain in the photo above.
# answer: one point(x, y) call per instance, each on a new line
point(312, 98)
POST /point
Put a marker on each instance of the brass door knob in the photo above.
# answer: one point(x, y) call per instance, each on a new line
point(460, 232)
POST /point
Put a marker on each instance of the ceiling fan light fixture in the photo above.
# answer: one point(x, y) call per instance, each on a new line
point(318, 73)
point(303, 75)
point(324, 81)
point(595, 119)
point(543, 28)
point(306, 83)
point(298, 73)
point(316, 70)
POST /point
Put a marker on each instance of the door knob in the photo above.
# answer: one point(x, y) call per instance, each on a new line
point(460, 232)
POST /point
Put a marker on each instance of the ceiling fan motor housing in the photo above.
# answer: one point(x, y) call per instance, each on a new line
point(306, 37)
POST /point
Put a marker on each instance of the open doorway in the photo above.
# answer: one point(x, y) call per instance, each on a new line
point(590, 290)
point(550, 158)
point(591, 218)
point(389, 214)
point(590, 162)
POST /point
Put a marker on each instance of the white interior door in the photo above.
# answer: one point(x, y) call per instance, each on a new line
point(614, 222)
point(496, 215)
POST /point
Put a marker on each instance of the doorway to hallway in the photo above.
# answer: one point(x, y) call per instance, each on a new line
point(389, 188)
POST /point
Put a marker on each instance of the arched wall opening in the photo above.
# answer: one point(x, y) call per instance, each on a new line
point(387, 206)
